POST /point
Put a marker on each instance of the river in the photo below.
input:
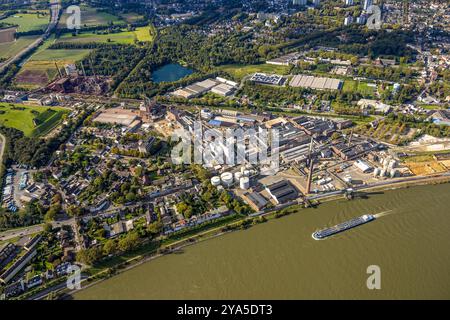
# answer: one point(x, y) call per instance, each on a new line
point(409, 241)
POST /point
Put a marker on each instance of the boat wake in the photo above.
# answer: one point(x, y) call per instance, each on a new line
point(383, 214)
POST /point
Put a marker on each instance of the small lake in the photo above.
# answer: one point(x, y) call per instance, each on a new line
point(170, 72)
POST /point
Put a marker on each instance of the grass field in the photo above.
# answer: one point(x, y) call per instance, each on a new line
point(31, 120)
point(240, 71)
point(352, 86)
point(7, 50)
point(91, 17)
point(131, 17)
point(126, 37)
point(28, 21)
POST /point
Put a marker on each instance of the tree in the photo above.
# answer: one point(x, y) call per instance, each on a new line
point(129, 242)
point(110, 247)
point(48, 227)
point(89, 256)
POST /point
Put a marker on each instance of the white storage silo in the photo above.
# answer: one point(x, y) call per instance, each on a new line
point(244, 183)
point(237, 176)
point(376, 172)
point(394, 173)
point(246, 173)
point(215, 181)
point(227, 179)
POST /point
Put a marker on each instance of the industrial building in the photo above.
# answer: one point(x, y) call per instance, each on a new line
point(119, 116)
point(315, 126)
point(284, 60)
point(318, 83)
point(223, 89)
point(255, 200)
point(272, 79)
point(282, 192)
point(350, 151)
point(218, 85)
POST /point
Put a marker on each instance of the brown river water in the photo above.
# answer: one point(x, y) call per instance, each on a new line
point(409, 241)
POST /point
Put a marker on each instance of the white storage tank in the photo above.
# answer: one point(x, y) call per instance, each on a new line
point(215, 181)
point(244, 183)
point(393, 164)
point(376, 172)
point(246, 173)
point(394, 173)
point(227, 179)
point(382, 172)
point(237, 176)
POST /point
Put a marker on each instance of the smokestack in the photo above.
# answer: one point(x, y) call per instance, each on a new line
point(311, 167)
point(350, 139)
point(59, 71)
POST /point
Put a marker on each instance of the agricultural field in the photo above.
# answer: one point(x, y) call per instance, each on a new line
point(352, 86)
point(240, 71)
point(29, 21)
point(40, 69)
point(8, 50)
point(142, 34)
point(91, 17)
point(31, 120)
point(131, 17)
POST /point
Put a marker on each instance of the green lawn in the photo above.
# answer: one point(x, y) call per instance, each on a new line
point(22, 118)
point(126, 37)
point(28, 21)
point(7, 50)
point(352, 86)
point(240, 71)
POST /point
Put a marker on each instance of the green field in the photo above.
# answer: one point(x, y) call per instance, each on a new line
point(352, 86)
point(91, 17)
point(126, 37)
point(240, 71)
point(31, 120)
point(71, 55)
point(7, 50)
point(28, 21)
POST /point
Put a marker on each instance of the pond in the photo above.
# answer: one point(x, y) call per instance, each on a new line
point(170, 73)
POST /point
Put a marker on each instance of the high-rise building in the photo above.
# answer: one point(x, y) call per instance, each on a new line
point(367, 4)
point(348, 2)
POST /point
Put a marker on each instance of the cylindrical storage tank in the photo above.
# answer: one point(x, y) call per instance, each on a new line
point(382, 172)
point(393, 173)
point(246, 173)
point(393, 164)
point(376, 172)
point(215, 181)
point(237, 176)
point(244, 183)
point(227, 179)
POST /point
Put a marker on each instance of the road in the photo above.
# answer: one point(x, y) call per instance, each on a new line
point(54, 9)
